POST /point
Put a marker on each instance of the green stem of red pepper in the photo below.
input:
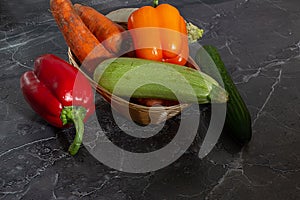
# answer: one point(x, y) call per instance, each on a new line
point(74, 115)
point(155, 3)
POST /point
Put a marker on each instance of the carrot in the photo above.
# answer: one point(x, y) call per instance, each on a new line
point(78, 37)
point(105, 30)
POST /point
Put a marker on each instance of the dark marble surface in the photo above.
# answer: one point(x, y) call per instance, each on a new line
point(260, 43)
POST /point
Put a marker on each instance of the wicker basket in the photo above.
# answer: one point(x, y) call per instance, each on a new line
point(138, 113)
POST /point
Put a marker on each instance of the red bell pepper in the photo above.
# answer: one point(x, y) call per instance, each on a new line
point(159, 34)
point(60, 94)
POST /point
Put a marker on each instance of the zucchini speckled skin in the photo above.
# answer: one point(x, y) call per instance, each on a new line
point(238, 119)
point(155, 79)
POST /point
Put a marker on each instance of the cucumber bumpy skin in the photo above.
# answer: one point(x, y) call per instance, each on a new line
point(238, 119)
point(155, 78)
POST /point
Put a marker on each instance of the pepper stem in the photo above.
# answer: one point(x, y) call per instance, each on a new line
point(74, 115)
point(155, 3)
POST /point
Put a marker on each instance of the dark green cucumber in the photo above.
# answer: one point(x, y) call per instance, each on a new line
point(150, 79)
point(238, 119)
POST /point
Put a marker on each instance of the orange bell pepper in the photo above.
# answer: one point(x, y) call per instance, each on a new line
point(159, 34)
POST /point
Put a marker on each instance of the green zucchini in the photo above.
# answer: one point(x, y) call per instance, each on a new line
point(140, 78)
point(238, 119)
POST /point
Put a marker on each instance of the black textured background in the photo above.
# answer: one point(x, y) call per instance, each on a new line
point(260, 45)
